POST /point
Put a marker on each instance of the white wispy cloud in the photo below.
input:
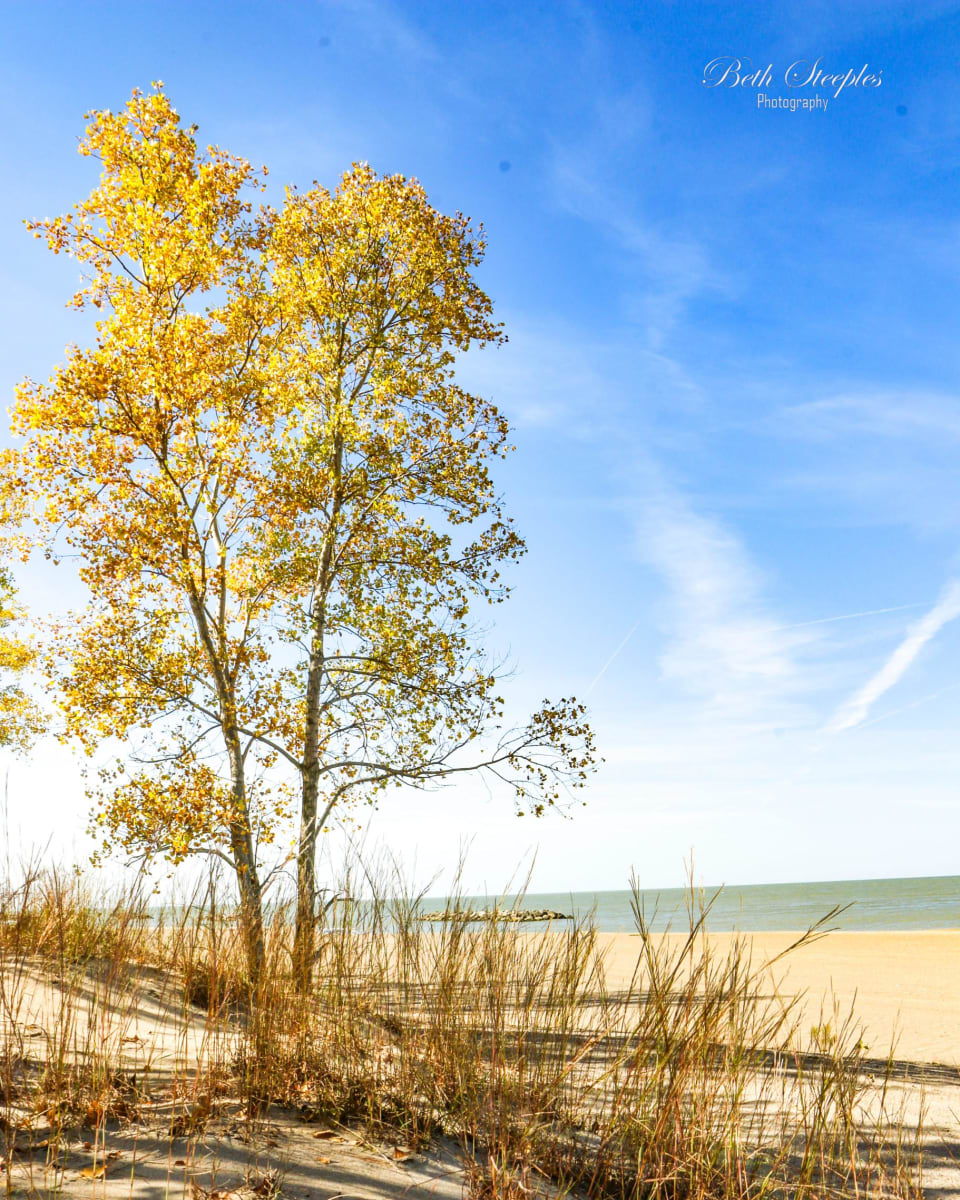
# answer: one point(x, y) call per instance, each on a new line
point(881, 456)
point(551, 374)
point(664, 263)
point(385, 25)
point(721, 643)
point(855, 710)
point(672, 266)
point(547, 375)
point(904, 413)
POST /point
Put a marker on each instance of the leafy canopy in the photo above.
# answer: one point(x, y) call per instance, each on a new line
point(278, 494)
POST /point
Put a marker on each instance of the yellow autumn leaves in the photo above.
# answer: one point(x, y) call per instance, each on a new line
point(20, 719)
point(279, 497)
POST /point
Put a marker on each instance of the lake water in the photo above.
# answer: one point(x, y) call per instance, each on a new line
point(926, 903)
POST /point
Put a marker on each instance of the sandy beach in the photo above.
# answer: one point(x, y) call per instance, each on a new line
point(903, 984)
point(904, 988)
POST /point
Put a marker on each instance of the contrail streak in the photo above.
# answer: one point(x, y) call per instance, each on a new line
point(600, 674)
point(951, 687)
point(870, 612)
point(855, 710)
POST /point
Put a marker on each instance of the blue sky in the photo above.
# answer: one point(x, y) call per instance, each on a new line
point(732, 374)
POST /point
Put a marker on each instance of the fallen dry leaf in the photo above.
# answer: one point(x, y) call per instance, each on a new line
point(402, 1155)
point(268, 1185)
point(88, 1145)
point(94, 1172)
point(181, 1162)
point(328, 1135)
point(321, 1159)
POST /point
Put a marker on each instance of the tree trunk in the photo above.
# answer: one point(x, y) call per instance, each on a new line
point(241, 835)
point(304, 935)
point(305, 931)
point(245, 862)
point(251, 906)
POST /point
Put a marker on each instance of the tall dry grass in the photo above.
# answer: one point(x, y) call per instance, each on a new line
point(690, 1082)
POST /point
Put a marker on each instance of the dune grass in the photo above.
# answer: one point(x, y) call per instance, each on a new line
point(695, 1081)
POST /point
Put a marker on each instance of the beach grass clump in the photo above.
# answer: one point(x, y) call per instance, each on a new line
point(694, 1079)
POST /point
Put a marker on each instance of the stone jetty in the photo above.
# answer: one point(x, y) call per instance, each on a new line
point(495, 914)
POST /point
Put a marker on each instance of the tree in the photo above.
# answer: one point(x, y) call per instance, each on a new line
point(146, 452)
point(281, 504)
point(377, 291)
